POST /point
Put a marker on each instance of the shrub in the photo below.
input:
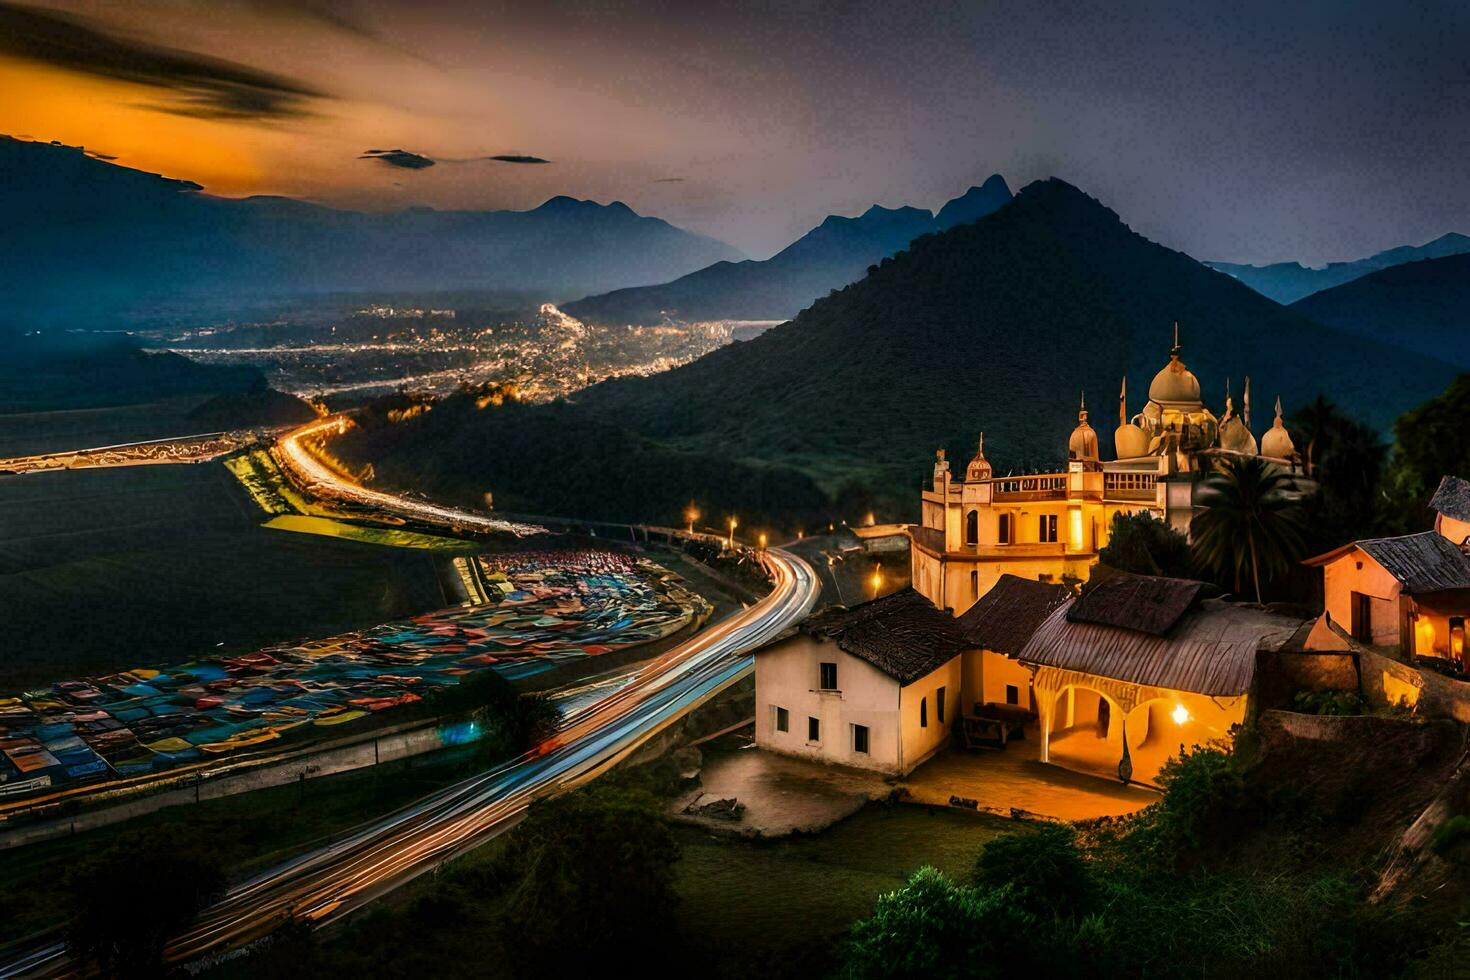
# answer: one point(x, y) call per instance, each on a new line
point(1328, 703)
point(1044, 869)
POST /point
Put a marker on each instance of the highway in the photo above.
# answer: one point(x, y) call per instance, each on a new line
point(323, 885)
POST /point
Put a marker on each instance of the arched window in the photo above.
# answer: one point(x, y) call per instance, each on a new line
point(972, 527)
point(1003, 533)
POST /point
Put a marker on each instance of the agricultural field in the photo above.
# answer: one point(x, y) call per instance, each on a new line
point(102, 570)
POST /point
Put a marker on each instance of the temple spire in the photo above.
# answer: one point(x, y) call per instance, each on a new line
point(1177, 348)
point(1123, 402)
point(1246, 402)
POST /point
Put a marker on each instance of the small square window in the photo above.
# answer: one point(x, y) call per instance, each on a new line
point(829, 677)
point(1013, 694)
point(783, 720)
point(860, 739)
point(813, 730)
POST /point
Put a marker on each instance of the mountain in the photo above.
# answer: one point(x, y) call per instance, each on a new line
point(828, 257)
point(1287, 282)
point(1422, 306)
point(997, 326)
point(87, 239)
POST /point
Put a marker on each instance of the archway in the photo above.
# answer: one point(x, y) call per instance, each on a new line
point(1166, 726)
point(1086, 731)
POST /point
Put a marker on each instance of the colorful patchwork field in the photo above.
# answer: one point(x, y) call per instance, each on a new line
point(544, 609)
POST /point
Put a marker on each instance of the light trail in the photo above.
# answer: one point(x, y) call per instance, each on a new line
point(323, 885)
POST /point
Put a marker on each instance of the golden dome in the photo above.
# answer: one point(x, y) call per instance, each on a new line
point(1083, 442)
point(979, 468)
point(1175, 384)
point(1277, 443)
point(1129, 441)
point(1235, 437)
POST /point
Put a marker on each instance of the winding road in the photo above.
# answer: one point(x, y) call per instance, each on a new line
point(326, 884)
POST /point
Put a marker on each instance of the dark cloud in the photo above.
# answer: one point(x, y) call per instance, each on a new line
point(516, 158)
point(399, 158)
point(197, 85)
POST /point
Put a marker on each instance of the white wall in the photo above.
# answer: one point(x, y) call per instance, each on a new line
point(787, 675)
point(918, 742)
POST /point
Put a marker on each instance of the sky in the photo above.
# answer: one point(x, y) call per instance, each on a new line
point(1241, 132)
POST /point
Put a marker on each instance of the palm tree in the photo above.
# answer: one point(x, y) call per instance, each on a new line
point(1252, 520)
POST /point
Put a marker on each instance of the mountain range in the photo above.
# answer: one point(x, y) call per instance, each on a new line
point(86, 239)
point(831, 255)
point(1287, 282)
point(1423, 306)
point(999, 326)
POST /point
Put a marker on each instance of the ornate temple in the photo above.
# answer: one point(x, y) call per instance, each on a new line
point(1049, 527)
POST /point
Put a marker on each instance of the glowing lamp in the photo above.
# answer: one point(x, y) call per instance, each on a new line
point(1457, 638)
point(1180, 714)
point(1424, 637)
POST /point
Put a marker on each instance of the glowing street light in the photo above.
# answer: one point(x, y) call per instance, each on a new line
point(762, 540)
point(733, 522)
point(691, 514)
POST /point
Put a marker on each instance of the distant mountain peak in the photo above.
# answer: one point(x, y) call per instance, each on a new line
point(975, 203)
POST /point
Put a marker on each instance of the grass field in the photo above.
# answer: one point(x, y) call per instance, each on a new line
point(775, 909)
point(247, 832)
point(85, 428)
point(115, 568)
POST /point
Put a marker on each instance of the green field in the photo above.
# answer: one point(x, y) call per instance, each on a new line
point(114, 568)
point(746, 908)
point(247, 832)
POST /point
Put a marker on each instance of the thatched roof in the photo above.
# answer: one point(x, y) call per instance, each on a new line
point(1004, 618)
point(901, 634)
point(1146, 603)
point(1210, 650)
point(1452, 499)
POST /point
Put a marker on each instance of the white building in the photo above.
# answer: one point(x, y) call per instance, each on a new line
point(877, 686)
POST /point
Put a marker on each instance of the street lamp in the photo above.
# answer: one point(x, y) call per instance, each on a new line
point(733, 522)
point(762, 540)
point(691, 514)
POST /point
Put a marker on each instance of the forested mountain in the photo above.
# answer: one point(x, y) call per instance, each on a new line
point(1287, 282)
point(999, 326)
point(1423, 306)
point(835, 253)
point(86, 239)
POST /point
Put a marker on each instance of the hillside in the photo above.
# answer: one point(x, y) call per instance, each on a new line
point(835, 253)
point(1287, 282)
point(86, 239)
point(1423, 306)
point(996, 326)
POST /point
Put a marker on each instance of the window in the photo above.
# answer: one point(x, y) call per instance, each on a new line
point(972, 527)
point(1047, 528)
point(1013, 694)
point(813, 730)
point(829, 677)
point(939, 705)
point(783, 719)
point(974, 585)
point(1003, 529)
point(923, 712)
point(860, 739)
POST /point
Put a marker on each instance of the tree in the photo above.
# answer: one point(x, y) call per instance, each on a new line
point(593, 879)
point(1433, 441)
point(127, 903)
point(1252, 522)
point(1143, 544)
point(1346, 460)
point(1044, 869)
point(513, 722)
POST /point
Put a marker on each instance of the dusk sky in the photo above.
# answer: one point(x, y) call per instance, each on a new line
point(1311, 131)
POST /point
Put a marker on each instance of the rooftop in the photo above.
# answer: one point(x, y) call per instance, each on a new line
point(1452, 499)
point(1209, 650)
point(1423, 562)
point(1146, 603)
point(1005, 617)
point(901, 634)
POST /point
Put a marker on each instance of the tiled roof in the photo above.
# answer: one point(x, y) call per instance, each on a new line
point(1004, 618)
point(901, 634)
point(1452, 499)
point(1146, 603)
point(1211, 650)
point(1423, 562)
